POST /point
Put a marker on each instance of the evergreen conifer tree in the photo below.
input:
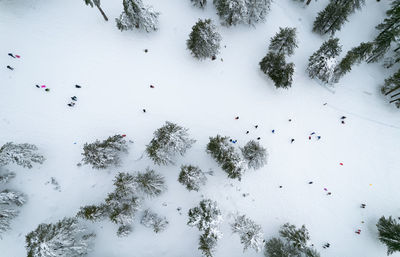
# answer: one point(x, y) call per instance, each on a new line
point(276, 247)
point(322, 63)
point(168, 141)
point(208, 243)
point(389, 32)
point(136, 15)
point(150, 183)
point(284, 42)
point(257, 11)
point(154, 221)
point(96, 3)
point(297, 237)
point(250, 233)
point(191, 177)
point(226, 156)
point(204, 40)
point(355, 55)
point(65, 238)
point(335, 15)
point(389, 234)
point(254, 154)
point(206, 216)
point(275, 66)
point(102, 155)
point(392, 85)
point(21, 154)
point(199, 3)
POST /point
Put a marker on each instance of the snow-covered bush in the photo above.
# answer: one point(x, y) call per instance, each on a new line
point(168, 141)
point(254, 154)
point(322, 63)
point(192, 177)
point(150, 183)
point(204, 40)
point(389, 234)
point(102, 155)
point(21, 154)
point(136, 15)
point(226, 156)
point(154, 221)
point(65, 238)
point(250, 233)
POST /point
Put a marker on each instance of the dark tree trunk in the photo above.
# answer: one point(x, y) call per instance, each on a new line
point(102, 13)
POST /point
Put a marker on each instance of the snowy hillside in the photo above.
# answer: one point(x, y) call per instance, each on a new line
point(64, 43)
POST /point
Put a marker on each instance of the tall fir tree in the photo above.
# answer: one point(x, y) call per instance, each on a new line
point(389, 234)
point(204, 40)
point(322, 63)
point(24, 155)
point(208, 243)
point(226, 156)
point(298, 237)
point(154, 221)
point(275, 66)
point(284, 42)
point(136, 15)
point(96, 3)
point(254, 154)
point(65, 238)
point(169, 141)
point(257, 11)
point(335, 15)
point(250, 233)
point(192, 177)
point(354, 56)
point(102, 155)
point(389, 32)
point(206, 216)
point(150, 183)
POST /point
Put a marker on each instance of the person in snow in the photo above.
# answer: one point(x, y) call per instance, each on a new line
point(74, 98)
point(144, 110)
point(310, 182)
point(318, 137)
point(363, 205)
point(237, 117)
point(258, 138)
point(309, 138)
point(342, 121)
point(343, 117)
point(313, 133)
point(256, 126)
point(290, 120)
point(273, 131)
point(151, 86)
point(9, 67)
point(247, 132)
point(358, 231)
point(10, 54)
point(71, 104)
point(292, 140)
point(77, 86)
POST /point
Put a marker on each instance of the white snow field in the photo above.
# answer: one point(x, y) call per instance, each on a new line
point(63, 43)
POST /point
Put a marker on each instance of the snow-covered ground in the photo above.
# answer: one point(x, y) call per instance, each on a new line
point(63, 43)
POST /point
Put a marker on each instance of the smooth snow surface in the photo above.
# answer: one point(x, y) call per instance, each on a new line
point(63, 43)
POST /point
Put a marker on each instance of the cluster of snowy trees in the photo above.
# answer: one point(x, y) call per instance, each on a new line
point(206, 217)
point(389, 233)
point(274, 64)
point(24, 155)
point(292, 242)
point(233, 162)
point(121, 205)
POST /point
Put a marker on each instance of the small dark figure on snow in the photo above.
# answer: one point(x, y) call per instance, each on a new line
point(10, 54)
point(230, 140)
point(326, 245)
point(151, 86)
point(47, 89)
point(234, 141)
point(237, 117)
point(363, 205)
point(343, 117)
point(77, 86)
point(146, 50)
point(318, 137)
point(292, 140)
point(310, 182)
point(273, 131)
point(213, 57)
point(290, 120)
point(144, 110)
point(247, 132)
point(74, 98)
point(256, 126)
point(280, 186)
point(329, 193)
point(9, 67)
point(313, 133)
point(309, 138)
point(358, 231)
point(258, 138)
point(71, 104)
point(37, 86)
point(342, 121)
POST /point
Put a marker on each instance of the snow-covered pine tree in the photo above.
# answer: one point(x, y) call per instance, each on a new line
point(6, 216)
point(389, 233)
point(150, 183)
point(275, 66)
point(276, 247)
point(208, 243)
point(250, 233)
point(102, 155)
point(390, 86)
point(257, 10)
point(97, 4)
point(204, 40)
point(389, 32)
point(93, 212)
point(136, 15)
point(154, 221)
point(8, 197)
point(192, 177)
point(124, 230)
point(65, 238)
point(297, 237)
point(168, 141)
point(206, 216)
point(254, 154)
point(355, 55)
point(226, 156)
point(284, 42)
point(335, 15)
point(21, 154)
point(199, 3)
point(322, 63)
point(6, 176)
